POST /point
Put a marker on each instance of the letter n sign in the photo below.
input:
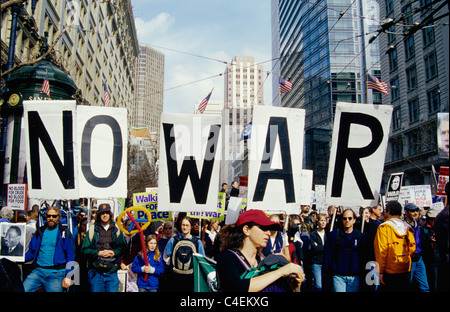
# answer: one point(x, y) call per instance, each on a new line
point(360, 137)
point(51, 149)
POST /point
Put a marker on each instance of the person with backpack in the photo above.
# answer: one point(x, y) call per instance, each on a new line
point(238, 260)
point(394, 245)
point(343, 255)
point(148, 276)
point(51, 248)
point(178, 254)
point(104, 246)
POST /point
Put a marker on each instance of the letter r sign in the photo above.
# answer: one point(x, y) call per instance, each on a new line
point(359, 143)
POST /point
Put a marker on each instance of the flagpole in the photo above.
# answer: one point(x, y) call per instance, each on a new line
point(279, 92)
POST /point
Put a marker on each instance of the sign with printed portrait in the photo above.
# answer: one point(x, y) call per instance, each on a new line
point(12, 239)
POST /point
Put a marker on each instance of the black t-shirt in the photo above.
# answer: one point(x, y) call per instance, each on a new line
point(229, 271)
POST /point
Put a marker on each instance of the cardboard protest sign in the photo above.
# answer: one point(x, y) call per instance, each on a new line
point(275, 159)
point(102, 150)
point(306, 191)
point(359, 142)
point(417, 194)
point(51, 149)
point(189, 162)
point(394, 186)
point(234, 210)
point(149, 200)
point(17, 196)
point(81, 150)
point(12, 241)
point(443, 179)
point(209, 215)
point(320, 198)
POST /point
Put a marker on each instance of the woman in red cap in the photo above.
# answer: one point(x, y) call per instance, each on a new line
point(240, 244)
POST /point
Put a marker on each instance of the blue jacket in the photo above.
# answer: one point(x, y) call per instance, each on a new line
point(153, 278)
point(64, 250)
point(343, 252)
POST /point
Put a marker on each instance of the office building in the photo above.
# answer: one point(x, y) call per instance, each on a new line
point(243, 90)
point(415, 64)
point(149, 90)
point(323, 48)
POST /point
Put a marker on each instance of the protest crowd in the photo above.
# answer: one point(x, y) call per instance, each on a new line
point(380, 249)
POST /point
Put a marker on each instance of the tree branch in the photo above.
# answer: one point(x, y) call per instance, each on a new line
point(50, 49)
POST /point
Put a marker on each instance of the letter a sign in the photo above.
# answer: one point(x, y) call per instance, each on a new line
point(360, 137)
point(188, 166)
point(275, 159)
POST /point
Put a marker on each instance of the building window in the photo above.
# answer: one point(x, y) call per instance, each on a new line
point(434, 100)
point(414, 143)
point(428, 35)
point(409, 47)
point(397, 148)
point(395, 92)
point(413, 107)
point(397, 118)
point(430, 66)
point(391, 34)
point(389, 6)
point(393, 60)
point(411, 78)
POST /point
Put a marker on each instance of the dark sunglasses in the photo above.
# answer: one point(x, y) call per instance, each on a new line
point(52, 216)
point(347, 218)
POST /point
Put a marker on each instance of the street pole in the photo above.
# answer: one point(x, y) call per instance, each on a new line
point(15, 9)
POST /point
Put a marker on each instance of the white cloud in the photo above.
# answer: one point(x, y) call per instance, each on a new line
point(155, 27)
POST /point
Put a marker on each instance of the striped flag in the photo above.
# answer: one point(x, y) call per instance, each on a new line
point(374, 83)
point(285, 85)
point(46, 85)
point(106, 95)
point(202, 105)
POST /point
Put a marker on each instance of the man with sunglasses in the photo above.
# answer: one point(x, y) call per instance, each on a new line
point(418, 269)
point(51, 248)
point(344, 254)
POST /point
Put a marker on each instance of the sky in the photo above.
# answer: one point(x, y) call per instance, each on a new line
point(216, 30)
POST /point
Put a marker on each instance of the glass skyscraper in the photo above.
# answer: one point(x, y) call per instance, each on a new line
point(323, 48)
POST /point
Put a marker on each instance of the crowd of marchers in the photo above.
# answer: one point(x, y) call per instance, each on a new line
point(380, 249)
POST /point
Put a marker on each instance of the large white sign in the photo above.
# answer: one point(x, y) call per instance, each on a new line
point(51, 149)
point(359, 142)
point(275, 159)
point(75, 152)
point(189, 162)
point(102, 133)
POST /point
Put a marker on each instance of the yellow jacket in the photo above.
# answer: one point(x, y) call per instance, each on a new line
point(393, 245)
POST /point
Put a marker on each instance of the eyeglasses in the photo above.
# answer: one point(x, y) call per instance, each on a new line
point(167, 228)
point(263, 228)
point(347, 218)
point(52, 216)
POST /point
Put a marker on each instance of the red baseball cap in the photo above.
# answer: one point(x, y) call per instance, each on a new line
point(259, 217)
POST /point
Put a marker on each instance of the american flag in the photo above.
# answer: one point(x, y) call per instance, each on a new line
point(374, 83)
point(202, 105)
point(46, 85)
point(106, 95)
point(285, 85)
